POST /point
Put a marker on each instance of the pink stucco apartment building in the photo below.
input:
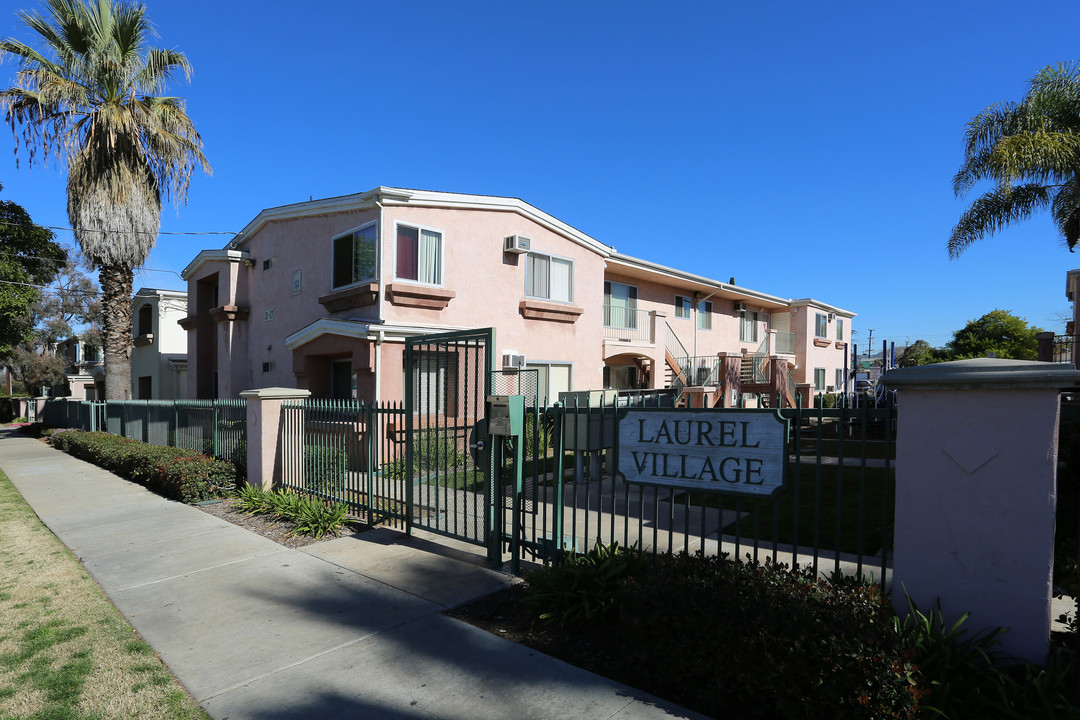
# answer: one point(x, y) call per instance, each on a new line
point(321, 295)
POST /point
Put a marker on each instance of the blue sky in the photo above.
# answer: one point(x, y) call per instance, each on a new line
point(804, 147)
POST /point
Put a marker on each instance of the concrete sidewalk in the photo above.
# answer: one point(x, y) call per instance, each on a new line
point(349, 628)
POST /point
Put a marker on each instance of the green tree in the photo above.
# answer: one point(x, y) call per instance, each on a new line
point(1030, 150)
point(29, 258)
point(998, 334)
point(921, 352)
point(92, 97)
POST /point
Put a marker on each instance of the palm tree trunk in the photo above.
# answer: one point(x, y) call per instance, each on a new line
point(116, 282)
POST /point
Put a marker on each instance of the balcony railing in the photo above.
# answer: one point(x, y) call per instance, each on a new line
point(629, 324)
point(1058, 348)
point(785, 343)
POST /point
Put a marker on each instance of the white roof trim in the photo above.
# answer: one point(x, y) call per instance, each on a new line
point(362, 331)
point(823, 306)
point(673, 274)
point(225, 255)
point(398, 197)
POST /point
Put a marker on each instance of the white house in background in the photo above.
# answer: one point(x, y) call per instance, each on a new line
point(159, 355)
point(84, 372)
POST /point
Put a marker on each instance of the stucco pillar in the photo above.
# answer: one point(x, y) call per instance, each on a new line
point(730, 378)
point(1045, 346)
point(263, 433)
point(778, 375)
point(976, 466)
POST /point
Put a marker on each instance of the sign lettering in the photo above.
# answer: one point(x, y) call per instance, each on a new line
point(734, 451)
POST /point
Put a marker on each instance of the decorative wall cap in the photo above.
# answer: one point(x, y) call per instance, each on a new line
point(821, 342)
point(419, 296)
point(144, 339)
point(541, 310)
point(188, 323)
point(229, 312)
point(983, 373)
point(276, 393)
point(351, 297)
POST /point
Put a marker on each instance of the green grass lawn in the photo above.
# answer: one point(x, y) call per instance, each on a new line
point(65, 651)
point(808, 506)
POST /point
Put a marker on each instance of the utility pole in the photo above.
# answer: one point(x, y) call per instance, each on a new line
point(870, 346)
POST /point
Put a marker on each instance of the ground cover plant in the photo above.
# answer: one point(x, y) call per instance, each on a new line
point(309, 515)
point(175, 473)
point(65, 651)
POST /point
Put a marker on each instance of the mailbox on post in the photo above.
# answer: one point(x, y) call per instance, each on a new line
point(506, 415)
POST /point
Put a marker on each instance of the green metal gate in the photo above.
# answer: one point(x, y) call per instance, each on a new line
point(447, 379)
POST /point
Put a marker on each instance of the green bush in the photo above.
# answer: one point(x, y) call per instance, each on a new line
point(325, 469)
point(583, 588)
point(172, 472)
point(432, 450)
point(748, 640)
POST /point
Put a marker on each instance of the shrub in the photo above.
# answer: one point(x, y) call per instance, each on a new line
point(752, 640)
point(309, 515)
point(172, 472)
point(432, 450)
point(583, 588)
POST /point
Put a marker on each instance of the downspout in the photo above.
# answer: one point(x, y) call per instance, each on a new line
point(380, 333)
point(377, 361)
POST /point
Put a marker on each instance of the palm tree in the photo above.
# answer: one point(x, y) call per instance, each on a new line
point(92, 98)
point(1031, 151)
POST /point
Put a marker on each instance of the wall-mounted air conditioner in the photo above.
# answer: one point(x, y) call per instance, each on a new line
point(517, 244)
point(740, 307)
point(513, 361)
point(832, 316)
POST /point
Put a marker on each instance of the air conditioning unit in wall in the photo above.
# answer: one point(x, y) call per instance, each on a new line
point(740, 307)
point(517, 244)
point(832, 316)
point(513, 361)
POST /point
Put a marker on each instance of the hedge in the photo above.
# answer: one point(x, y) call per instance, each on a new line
point(172, 472)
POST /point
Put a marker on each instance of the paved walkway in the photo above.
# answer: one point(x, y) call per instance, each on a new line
point(349, 628)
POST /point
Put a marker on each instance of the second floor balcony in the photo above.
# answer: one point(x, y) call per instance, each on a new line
point(628, 324)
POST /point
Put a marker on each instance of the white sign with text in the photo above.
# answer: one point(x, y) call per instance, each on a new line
point(719, 450)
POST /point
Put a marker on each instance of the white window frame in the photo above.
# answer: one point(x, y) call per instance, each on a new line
point(528, 264)
point(839, 328)
point(683, 311)
point(349, 234)
point(748, 321)
point(544, 366)
point(631, 317)
point(819, 372)
point(440, 269)
point(839, 379)
point(704, 310)
point(821, 326)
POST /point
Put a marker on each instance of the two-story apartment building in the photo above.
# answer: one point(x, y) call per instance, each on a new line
point(159, 352)
point(84, 369)
point(321, 295)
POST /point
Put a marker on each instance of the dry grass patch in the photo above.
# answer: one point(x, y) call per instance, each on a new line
point(65, 651)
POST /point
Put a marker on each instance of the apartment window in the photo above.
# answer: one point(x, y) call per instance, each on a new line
point(419, 255)
point(354, 256)
point(268, 367)
point(146, 388)
point(819, 379)
point(748, 326)
point(146, 320)
point(549, 278)
point(620, 305)
point(704, 315)
point(435, 384)
point(839, 378)
point(551, 379)
point(269, 263)
point(821, 325)
point(682, 306)
point(839, 328)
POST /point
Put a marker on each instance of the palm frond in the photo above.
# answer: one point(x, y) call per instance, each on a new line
point(995, 210)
